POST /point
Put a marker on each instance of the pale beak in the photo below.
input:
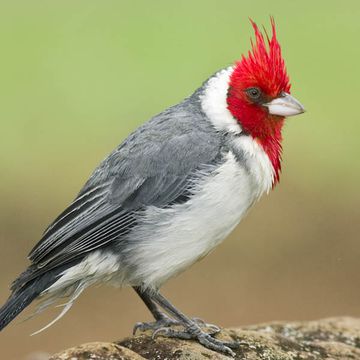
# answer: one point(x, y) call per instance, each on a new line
point(285, 105)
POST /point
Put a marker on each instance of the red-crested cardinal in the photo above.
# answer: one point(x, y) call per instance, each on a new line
point(170, 193)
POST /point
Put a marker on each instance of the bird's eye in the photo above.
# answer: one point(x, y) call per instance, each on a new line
point(253, 93)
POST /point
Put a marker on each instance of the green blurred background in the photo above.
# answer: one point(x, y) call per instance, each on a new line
point(77, 76)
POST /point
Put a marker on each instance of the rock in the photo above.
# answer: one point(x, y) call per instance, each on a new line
point(97, 351)
point(330, 339)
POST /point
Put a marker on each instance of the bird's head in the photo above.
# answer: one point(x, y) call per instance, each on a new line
point(259, 93)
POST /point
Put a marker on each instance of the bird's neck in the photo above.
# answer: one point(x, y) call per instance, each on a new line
point(271, 143)
point(266, 130)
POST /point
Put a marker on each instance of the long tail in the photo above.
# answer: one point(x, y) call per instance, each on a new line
point(24, 293)
point(16, 303)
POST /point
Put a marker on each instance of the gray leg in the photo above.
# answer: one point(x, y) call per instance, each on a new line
point(162, 320)
point(192, 329)
point(158, 315)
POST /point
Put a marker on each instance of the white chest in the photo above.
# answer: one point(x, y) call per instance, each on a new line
point(169, 240)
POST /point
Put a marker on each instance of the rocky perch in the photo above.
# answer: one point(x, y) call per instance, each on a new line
point(330, 339)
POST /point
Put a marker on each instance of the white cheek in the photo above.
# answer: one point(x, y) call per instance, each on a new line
point(214, 104)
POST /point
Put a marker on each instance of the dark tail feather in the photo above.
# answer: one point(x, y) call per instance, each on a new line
point(16, 303)
point(24, 292)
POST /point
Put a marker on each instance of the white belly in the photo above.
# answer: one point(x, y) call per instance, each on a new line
point(170, 240)
point(167, 241)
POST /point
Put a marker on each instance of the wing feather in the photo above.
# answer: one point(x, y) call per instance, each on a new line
point(155, 166)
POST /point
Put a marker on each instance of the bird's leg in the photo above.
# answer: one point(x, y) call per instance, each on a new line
point(192, 329)
point(158, 315)
point(162, 320)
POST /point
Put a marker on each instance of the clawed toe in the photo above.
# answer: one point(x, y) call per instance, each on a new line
point(196, 333)
point(169, 332)
point(167, 322)
point(144, 326)
point(184, 327)
point(217, 345)
point(154, 326)
point(194, 329)
point(212, 329)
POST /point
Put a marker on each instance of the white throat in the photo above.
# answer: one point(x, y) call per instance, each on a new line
point(213, 102)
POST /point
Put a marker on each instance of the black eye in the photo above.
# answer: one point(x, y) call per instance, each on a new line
point(253, 93)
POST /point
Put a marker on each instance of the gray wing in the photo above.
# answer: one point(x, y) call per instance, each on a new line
point(156, 165)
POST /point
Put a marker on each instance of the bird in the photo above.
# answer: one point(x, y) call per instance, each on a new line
point(168, 195)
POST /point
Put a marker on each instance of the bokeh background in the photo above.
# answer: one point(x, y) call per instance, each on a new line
point(77, 76)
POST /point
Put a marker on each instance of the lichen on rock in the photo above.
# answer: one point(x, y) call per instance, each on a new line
point(330, 339)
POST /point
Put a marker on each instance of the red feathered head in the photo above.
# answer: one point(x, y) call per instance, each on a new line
point(258, 95)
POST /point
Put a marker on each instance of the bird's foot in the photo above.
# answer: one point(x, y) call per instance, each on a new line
point(162, 322)
point(194, 332)
point(211, 328)
point(167, 322)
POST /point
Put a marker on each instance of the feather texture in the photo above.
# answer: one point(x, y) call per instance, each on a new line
point(155, 166)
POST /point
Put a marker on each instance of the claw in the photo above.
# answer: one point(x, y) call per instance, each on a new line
point(196, 333)
point(137, 326)
point(158, 332)
point(217, 345)
point(213, 329)
point(162, 323)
